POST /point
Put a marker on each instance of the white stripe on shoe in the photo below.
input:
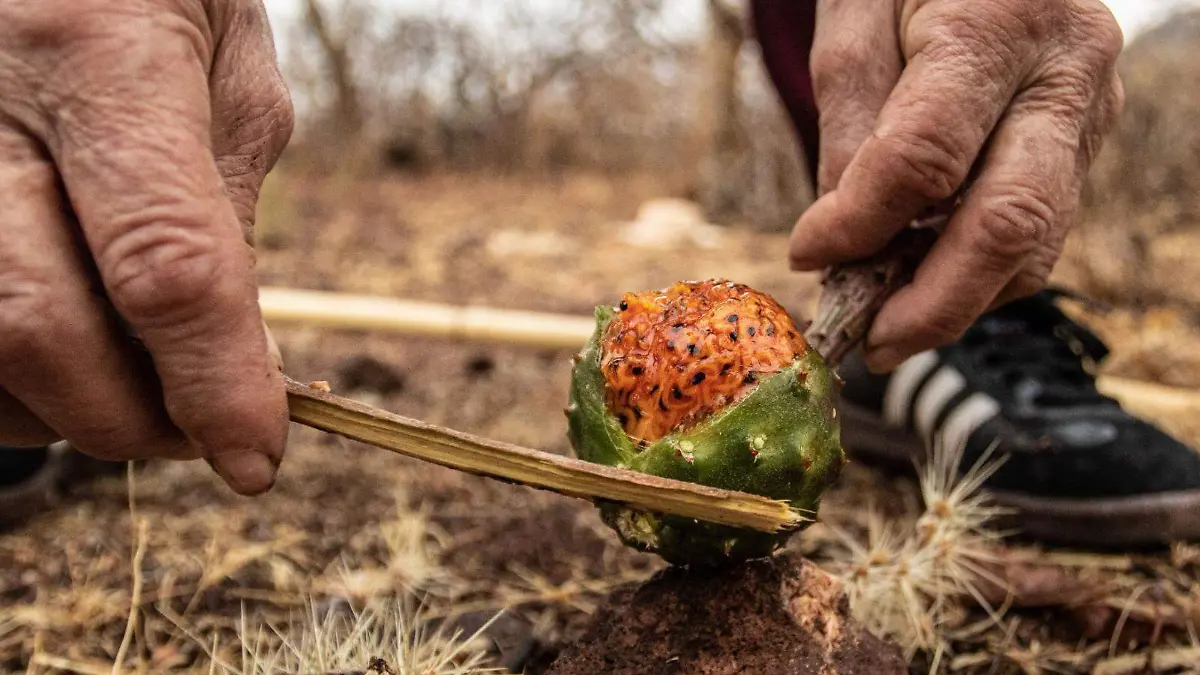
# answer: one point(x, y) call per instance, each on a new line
point(903, 385)
point(972, 413)
point(945, 384)
point(967, 417)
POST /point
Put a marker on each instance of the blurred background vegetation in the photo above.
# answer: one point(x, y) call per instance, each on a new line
point(541, 88)
point(675, 92)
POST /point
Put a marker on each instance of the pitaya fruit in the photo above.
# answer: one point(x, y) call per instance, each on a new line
point(711, 383)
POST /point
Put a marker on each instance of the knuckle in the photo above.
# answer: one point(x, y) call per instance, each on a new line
point(1013, 225)
point(255, 127)
point(158, 271)
point(1092, 32)
point(953, 35)
point(929, 164)
point(1100, 29)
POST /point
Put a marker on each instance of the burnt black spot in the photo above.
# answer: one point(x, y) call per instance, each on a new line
point(733, 335)
point(622, 419)
point(750, 378)
point(692, 349)
point(662, 406)
point(732, 318)
point(636, 370)
point(725, 368)
point(751, 331)
point(770, 331)
point(676, 393)
point(698, 378)
point(637, 412)
point(654, 389)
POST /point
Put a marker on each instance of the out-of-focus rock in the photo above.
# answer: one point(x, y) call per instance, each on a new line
point(777, 616)
point(671, 223)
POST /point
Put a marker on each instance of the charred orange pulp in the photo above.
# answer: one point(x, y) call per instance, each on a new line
point(673, 357)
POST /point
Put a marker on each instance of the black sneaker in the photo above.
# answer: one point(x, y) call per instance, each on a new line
point(1079, 470)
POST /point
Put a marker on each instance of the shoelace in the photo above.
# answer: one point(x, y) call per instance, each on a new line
point(1039, 352)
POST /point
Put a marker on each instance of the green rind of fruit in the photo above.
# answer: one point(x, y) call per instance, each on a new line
point(781, 441)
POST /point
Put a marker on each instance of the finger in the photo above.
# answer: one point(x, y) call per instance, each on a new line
point(252, 108)
point(1033, 275)
point(928, 135)
point(856, 62)
point(1014, 216)
point(60, 356)
point(141, 176)
point(20, 428)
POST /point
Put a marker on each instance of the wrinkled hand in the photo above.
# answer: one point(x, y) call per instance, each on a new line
point(134, 138)
point(919, 96)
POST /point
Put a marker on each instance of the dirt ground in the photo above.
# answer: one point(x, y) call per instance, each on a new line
point(347, 522)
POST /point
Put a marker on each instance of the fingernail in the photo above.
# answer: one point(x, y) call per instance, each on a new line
point(247, 472)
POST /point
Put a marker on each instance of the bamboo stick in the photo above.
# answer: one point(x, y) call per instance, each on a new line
point(371, 313)
point(571, 477)
point(1145, 395)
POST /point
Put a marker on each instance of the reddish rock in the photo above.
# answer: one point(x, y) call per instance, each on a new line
point(777, 616)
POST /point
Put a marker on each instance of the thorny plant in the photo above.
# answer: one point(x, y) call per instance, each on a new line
point(908, 585)
point(393, 633)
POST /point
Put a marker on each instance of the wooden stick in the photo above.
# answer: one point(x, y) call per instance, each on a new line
point(572, 477)
point(852, 294)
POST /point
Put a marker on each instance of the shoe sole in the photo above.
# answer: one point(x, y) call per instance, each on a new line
point(1154, 520)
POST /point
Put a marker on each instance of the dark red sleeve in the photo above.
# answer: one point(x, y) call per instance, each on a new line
point(784, 29)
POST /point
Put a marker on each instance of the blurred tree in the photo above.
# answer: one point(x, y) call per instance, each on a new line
point(334, 45)
point(723, 173)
